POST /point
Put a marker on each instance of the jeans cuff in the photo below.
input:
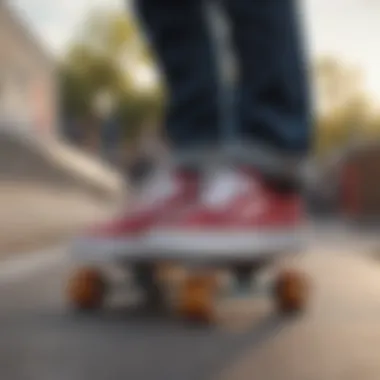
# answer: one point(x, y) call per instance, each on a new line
point(268, 161)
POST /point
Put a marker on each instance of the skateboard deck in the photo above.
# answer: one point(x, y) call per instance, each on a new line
point(196, 292)
point(216, 249)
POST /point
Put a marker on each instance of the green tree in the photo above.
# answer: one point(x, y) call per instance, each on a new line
point(104, 59)
point(343, 107)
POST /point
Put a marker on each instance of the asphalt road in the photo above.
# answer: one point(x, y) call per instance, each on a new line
point(337, 338)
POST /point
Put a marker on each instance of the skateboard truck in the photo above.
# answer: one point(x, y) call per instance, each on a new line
point(196, 290)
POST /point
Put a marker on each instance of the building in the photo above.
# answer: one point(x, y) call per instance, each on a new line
point(28, 88)
point(360, 182)
point(348, 185)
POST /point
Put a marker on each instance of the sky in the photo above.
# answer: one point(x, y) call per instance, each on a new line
point(347, 29)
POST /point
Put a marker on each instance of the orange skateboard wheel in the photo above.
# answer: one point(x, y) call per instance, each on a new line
point(86, 289)
point(196, 300)
point(291, 291)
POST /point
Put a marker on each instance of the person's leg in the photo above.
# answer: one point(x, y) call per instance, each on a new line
point(178, 32)
point(273, 99)
point(179, 35)
point(253, 206)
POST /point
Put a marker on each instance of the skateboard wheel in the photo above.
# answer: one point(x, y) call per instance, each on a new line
point(196, 298)
point(291, 291)
point(86, 289)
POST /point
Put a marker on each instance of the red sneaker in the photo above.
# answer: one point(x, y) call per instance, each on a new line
point(125, 235)
point(240, 215)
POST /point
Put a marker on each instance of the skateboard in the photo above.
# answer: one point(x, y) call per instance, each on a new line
point(196, 285)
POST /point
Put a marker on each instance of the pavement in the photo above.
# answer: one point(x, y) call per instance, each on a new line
point(337, 338)
point(50, 190)
point(50, 161)
point(34, 215)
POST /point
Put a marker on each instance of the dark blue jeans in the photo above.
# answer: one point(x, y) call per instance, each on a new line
point(271, 99)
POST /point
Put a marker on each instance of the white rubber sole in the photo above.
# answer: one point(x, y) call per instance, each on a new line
point(199, 246)
point(105, 250)
point(227, 244)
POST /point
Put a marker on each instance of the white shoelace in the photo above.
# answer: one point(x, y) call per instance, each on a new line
point(160, 186)
point(223, 187)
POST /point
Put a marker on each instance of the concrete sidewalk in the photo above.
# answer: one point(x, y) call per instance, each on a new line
point(34, 216)
point(51, 162)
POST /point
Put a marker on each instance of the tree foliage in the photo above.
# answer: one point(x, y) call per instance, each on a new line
point(104, 59)
point(344, 110)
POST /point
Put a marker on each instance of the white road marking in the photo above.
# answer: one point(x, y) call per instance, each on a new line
point(29, 263)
